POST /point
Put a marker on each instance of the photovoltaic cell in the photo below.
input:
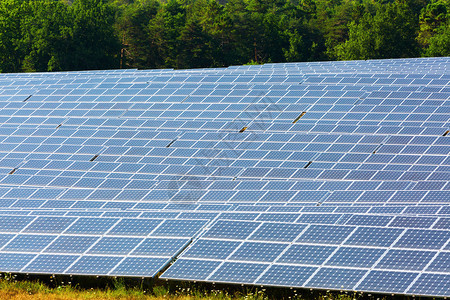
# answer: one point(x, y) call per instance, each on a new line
point(431, 284)
point(189, 269)
point(47, 263)
point(237, 272)
point(286, 275)
point(384, 281)
point(329, 175)
point(335, 278)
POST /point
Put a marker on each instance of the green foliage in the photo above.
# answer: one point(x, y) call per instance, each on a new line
point(434, 34)
point(439, 43)
point(57, 35)
point(93, 45)
point(50, 35)
point(13, 45)
point(11, 288)
point(132, 27)
point(165, 32)
point(390, 33)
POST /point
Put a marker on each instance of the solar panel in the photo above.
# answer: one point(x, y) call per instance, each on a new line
point(330, 175)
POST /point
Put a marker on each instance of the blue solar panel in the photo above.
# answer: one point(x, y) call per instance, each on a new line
point(387, 281)
point(334, 278)
point(258, 252)
point(431, 284)
point(405, 260)
point(330, 175)
point(143, 266)
point(47, 263)
point(285, 275)
point(306, 254)
point(94, 265)
point(238, 272)
point(355, 257)
point(191, 269)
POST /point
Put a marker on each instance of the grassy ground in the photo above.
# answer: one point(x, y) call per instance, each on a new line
point(25, 289)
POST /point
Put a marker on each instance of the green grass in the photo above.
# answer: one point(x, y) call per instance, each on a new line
point(11, 288)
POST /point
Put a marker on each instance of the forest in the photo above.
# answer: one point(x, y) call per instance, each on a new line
point(63, 35)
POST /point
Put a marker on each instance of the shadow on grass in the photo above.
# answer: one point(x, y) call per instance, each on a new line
point(21, 286)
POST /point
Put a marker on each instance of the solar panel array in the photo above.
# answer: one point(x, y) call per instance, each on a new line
point(331, 175)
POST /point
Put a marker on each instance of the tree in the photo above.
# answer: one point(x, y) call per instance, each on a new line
point(94, 43)
point(13, 45)
point(164, 32)
point(390, 33)
point(215, 24)
point(198, 47)
point(305, 40)
point(257, 30)
point(434, 34)
point(439, 44)
point(240, 32)
point(48, 33)
point(132, 25)
point(53, 35)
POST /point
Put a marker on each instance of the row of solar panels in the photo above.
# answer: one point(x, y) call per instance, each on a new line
point(87, 92)
point(419, 117)
point(343, 215)
point(213, 158)
point(425, 65)
point(39, 198)
point(323, 127)
point(233, 86)
point(139, 85)
point(206, 253)
point(225, 153)
point(377, 216)
point(141, 137)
